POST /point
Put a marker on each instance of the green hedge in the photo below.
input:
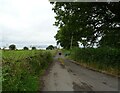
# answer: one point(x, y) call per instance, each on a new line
point(102, 57)
point(23, 73)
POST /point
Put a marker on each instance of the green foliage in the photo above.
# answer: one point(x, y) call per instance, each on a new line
point(50, 47)
point(66, 52)
point(25, 48)
point(87, 23)
point(101, 58)
point(33, 48)
point(12, 47)
point(21, 69)
point(53, 52)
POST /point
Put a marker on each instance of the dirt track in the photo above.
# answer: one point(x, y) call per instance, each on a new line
point(73, 77)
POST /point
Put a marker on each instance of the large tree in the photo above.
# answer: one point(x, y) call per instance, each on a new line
point(33, 48)
point(50, 47)
point(88, 23)
point(12, 47)
point(25, 48)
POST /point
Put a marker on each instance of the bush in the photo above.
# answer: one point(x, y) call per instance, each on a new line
point(22, 69)
point(103, 58)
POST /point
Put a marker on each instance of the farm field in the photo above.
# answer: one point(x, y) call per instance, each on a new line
point(22, 69)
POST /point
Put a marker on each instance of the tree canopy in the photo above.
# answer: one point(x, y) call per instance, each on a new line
point(25, 48)
point(88, 23)
point(12, 47)
point(50, 47)
point(33, 48)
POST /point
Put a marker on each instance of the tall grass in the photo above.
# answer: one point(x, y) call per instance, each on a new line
point(22, 69)
point(107, 59)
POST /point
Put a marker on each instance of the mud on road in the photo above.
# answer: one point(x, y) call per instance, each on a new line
point(76, 78)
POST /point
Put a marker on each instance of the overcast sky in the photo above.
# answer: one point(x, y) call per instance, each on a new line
point(26, 22)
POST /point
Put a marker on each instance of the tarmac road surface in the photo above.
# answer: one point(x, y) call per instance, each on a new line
point(73, 77)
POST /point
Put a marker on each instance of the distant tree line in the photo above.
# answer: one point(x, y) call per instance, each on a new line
point(13, 47)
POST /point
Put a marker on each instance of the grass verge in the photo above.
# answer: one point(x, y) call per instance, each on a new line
point(101, 59)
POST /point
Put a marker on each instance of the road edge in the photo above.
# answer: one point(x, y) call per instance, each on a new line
point(93, 69)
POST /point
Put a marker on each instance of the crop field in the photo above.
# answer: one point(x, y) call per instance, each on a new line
point(22, 69)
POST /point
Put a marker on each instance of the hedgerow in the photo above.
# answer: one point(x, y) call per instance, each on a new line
point(22, 69)
point(100, 58)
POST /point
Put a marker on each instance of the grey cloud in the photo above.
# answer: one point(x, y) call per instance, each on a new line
point(31, 23)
